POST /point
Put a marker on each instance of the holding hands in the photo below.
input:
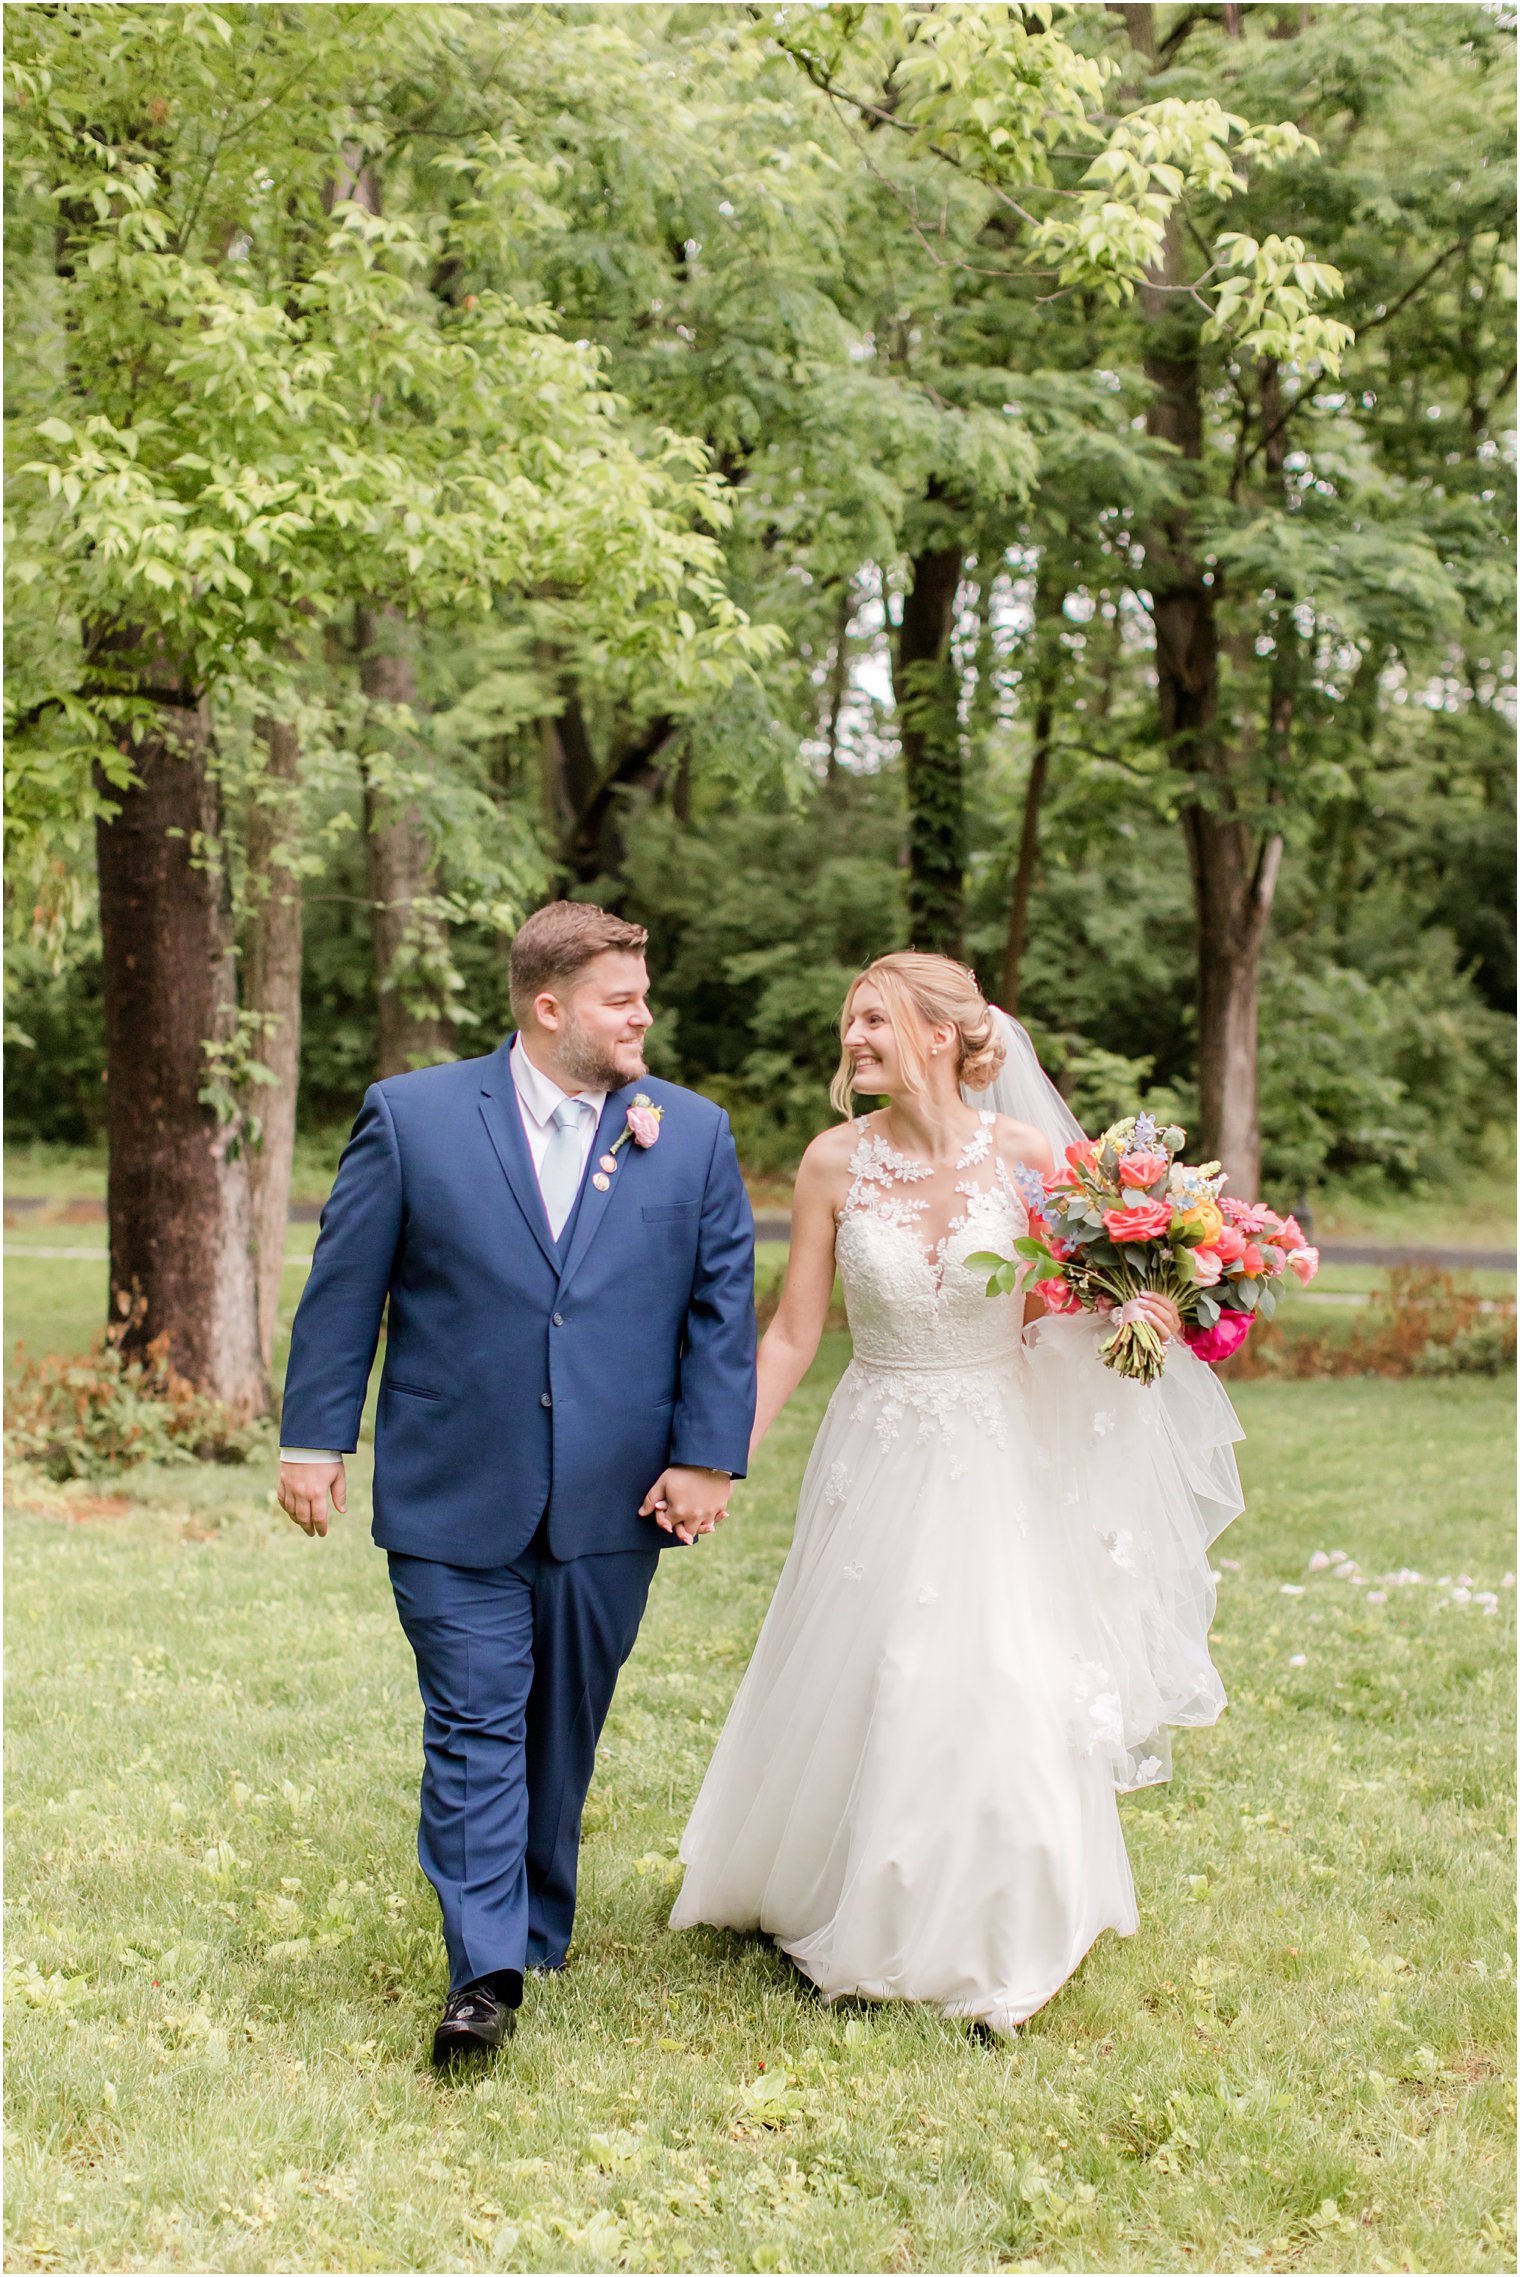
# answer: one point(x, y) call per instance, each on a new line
point(687, 1502)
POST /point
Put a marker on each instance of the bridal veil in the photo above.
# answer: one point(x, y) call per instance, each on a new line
point(1142, 1479)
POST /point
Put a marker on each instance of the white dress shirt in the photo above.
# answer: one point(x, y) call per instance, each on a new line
point(537, 1097)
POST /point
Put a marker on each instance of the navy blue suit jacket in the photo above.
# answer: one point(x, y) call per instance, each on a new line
point(524, 1376)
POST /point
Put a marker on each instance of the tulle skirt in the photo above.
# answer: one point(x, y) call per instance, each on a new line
point(975, 1641)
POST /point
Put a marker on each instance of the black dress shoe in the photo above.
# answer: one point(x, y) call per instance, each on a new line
point(475, 2020)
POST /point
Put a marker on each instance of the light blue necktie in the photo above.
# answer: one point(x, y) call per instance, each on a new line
point(560, 1177)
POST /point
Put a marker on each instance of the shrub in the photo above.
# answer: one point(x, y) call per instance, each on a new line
point(1422, 1322)
point(84, 1415)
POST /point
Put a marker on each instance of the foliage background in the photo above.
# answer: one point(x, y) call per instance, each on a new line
point(765, 271)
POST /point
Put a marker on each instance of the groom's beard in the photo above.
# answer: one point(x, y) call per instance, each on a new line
point(590, 1064)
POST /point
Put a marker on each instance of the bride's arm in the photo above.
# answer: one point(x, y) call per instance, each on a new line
point(789, 1344)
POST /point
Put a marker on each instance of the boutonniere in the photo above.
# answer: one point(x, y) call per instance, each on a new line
point(643, 1124)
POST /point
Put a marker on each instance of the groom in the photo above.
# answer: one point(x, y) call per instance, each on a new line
point(567, 1254)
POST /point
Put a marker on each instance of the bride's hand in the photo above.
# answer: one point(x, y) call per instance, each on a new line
point(1162, 1315)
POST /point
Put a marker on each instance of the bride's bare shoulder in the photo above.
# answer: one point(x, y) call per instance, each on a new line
point(1021, 1142)
point(828, 1155)
point(823, 1177)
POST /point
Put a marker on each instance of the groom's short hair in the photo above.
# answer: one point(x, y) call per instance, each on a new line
point(559, 941)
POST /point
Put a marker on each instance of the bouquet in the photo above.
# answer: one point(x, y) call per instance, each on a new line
point(1122, 1216)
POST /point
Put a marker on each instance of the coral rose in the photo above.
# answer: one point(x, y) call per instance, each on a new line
point(1217, 1343)
point(1055, 1296)
point(1142, 1169)
point(1143, 1221)
point(1252, 1261)
point(1230, 1244)
point(1082, 1154)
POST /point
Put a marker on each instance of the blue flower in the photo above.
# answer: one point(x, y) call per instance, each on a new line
point(1144, 1137)
point(1031, 1188)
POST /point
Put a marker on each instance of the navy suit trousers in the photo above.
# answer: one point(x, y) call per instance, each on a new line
point(516, 1665)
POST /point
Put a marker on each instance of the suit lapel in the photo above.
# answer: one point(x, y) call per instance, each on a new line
point(595, 1202)
point(503, 1120)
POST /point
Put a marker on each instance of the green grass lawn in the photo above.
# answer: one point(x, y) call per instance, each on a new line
point(224, 1964)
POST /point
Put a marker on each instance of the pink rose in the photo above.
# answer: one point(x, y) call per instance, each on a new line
point(1055, 1296)
point(1142, 1169)
point(1217, 1343)
point(1143, 1221)
point(1207, 1265)
point(1291, 1233)
point(1304, 1261)
point(643, 1125)
point(1229, 1244)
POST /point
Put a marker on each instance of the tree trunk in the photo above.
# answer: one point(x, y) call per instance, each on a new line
point(924, 684)
point(1232, 893)
point(585, 802)
point(1234, 872)
point(177, 1191)
point(839, 680)
point(272, 992)
point(1049, 601)
point(410, 943)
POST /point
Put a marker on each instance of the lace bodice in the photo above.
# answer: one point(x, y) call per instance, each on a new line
point(910, 1300)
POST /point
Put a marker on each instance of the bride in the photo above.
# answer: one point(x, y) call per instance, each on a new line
point(998, 1593)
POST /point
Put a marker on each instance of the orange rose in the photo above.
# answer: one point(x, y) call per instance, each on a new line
point(1203, 1219)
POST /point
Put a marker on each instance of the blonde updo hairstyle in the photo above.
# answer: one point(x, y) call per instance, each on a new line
point(921, 993)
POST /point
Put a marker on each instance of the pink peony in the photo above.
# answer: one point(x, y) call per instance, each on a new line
point(1144, 1221)
point(643, 1125)
point(1207, 1266)
point(1230, 1244)
point(1217, 1343)
point(1304, 1261)
point(1142, 1169)
point(1055, 1296)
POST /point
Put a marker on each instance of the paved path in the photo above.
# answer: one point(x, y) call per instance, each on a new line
point(768, 1228)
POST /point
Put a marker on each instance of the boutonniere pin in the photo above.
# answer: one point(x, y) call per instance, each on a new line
point(643, 1124)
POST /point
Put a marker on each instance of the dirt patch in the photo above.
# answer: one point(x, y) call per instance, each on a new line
point(83, 1506)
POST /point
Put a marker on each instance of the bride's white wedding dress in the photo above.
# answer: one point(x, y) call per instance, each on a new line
point(997, 1594)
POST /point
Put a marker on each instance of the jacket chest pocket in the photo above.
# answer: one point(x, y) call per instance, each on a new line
point(670, 1213)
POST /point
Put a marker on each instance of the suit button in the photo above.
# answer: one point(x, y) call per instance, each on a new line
point(558, 1319)
point(544, 1400)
